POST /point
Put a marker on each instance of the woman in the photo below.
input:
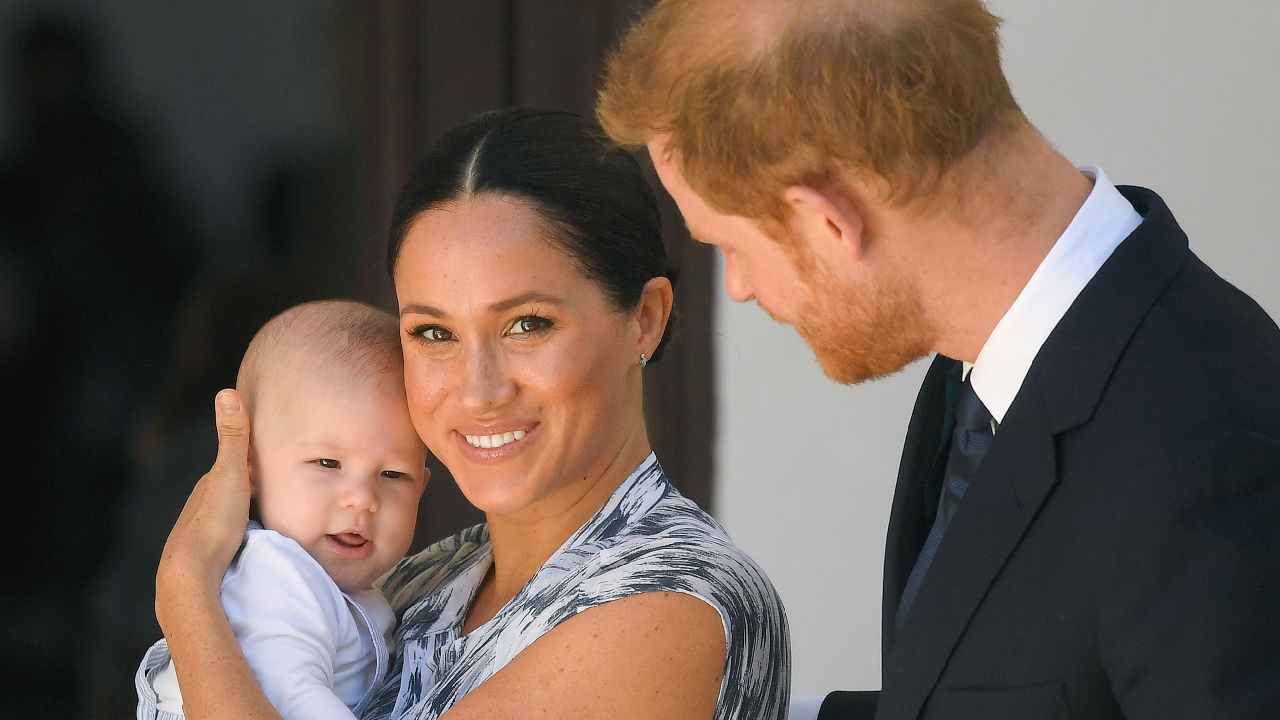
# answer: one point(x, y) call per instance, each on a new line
point(533, 290)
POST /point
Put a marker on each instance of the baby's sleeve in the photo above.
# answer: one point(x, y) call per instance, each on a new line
point(287, 615)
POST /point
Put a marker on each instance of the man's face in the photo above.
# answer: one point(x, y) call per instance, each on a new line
point(861, 324)
point(756, 267)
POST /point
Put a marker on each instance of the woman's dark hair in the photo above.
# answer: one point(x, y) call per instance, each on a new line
point(594, 197)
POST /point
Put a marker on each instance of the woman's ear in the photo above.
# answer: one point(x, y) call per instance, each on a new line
point(827, 220)
point(653, 312)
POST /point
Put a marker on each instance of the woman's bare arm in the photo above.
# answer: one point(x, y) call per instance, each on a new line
point(215, 679)
point(652, 655)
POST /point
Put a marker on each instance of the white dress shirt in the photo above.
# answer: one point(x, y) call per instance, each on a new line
point(315, 650)
point(1098, 228)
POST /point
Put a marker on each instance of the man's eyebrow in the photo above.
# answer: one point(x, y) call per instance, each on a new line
point(532, 296)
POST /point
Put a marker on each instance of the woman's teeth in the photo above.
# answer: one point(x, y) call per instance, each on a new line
point(494, 441)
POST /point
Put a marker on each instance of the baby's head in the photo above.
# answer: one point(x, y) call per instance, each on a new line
point(335, 462)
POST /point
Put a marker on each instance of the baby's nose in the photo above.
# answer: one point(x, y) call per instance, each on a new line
point(360, 496)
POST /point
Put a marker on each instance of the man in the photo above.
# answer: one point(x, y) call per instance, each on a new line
point(1087, 514)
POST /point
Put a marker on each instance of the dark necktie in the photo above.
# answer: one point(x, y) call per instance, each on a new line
point(969, 443)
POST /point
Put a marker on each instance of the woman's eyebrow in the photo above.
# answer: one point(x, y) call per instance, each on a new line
point(532, 296)
point(416, 309)
point(529, 297)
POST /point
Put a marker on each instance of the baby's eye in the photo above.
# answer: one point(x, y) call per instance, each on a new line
point(529, 324)
point(328, 463)
point(394, 474)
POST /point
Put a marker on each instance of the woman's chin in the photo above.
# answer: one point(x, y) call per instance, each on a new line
point(496, 500)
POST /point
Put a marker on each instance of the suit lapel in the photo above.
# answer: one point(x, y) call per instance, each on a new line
point(1061, 391)
point(908, 518)
point(1016, 477)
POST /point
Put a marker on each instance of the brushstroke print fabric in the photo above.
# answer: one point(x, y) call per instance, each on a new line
point(646, 538)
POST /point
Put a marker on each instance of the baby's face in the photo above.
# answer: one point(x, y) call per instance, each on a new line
point(338, 467)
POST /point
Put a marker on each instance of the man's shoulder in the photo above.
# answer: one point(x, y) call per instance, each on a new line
point(1204, 350)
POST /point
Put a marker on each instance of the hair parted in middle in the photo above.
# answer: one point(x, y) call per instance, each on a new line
point(593, 198)
point(805, 91)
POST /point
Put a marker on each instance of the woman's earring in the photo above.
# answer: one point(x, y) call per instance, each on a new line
point(644, 360)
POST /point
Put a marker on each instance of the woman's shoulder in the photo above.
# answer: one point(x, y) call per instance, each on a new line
point(678, 547)
point(433, 567)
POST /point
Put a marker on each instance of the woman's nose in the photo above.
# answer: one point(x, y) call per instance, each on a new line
point(486, 384)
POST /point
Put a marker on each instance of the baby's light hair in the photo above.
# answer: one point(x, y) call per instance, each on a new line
point(351, 337)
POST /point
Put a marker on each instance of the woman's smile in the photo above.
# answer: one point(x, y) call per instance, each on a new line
point(491, 447)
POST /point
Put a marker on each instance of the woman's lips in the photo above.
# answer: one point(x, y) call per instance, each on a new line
point(494, 447)
point(349, 545)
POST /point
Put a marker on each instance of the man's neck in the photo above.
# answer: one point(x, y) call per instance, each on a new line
point(974, 263)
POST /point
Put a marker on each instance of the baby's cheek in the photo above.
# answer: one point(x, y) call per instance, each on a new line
point(401, 522)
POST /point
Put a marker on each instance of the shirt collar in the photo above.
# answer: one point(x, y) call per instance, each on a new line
point(1097, 229)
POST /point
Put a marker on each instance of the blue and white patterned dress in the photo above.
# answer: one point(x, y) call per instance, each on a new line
point(646, 538)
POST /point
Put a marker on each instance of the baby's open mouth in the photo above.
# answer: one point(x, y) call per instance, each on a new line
point(349, 539)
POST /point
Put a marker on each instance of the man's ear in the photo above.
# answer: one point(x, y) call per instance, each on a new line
point(827, 220)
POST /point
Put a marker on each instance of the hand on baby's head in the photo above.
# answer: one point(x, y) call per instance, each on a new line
point(337, 464)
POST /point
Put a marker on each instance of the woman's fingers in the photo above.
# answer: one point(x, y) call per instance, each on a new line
point(233, 436)
point(209, 530)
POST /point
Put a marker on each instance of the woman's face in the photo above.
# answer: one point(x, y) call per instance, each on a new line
point(521, 376)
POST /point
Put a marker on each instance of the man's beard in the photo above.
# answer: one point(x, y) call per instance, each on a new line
point(860, 334)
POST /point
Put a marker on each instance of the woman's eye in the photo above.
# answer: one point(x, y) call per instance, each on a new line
point(529, 324)
point(432, 333)
point(328, 463)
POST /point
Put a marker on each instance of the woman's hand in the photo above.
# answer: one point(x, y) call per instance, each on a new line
point(209, 530)
point(216, 681)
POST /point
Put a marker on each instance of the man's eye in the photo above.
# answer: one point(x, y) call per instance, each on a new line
point(529, 324)
point(328, 463)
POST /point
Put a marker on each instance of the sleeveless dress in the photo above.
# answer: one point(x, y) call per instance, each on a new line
point(646, 538)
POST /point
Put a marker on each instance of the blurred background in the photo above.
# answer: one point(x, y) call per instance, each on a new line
point(173, 174)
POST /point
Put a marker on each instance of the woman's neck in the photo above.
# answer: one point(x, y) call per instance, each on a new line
point(521, 546)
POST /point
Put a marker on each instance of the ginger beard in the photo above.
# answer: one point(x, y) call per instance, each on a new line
point(859, 333)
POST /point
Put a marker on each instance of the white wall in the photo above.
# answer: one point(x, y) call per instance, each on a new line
point(1182, 97)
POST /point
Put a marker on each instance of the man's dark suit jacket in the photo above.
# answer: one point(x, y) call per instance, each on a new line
point(1118, 554)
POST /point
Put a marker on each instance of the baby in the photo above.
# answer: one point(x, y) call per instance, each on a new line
point(337, 472)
